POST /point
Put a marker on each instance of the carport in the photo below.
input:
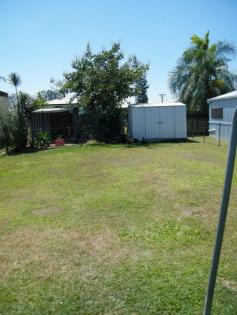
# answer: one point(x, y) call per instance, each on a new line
point(56, 121)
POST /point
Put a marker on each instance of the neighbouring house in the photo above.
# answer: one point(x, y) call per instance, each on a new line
point(3, 108)
point(157, 121)
point(59, 118)
point(3, 100)
point(221, 112)
point(62, 117)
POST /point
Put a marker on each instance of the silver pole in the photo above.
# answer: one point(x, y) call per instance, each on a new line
point(219, 135)
point(222, 217)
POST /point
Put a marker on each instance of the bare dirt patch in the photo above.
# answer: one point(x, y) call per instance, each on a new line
point(231, 285)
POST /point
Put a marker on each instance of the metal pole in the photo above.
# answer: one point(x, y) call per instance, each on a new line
point(204, 134)
point(222, 217)
point(162, 97)
point(219, 137)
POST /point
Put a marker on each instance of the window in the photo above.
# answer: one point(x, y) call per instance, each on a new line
point(217, 113)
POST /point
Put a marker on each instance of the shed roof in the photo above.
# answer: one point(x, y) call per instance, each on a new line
point(50, 110)
point(68, 99)
point(229, 95)
point(158, 104)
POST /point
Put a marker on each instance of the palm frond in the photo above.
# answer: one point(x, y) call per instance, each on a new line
point(14, 79)
point(225, 49)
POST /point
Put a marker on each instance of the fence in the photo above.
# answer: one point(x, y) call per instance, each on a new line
point(104, 128)
point(197, 128)
point(221, 131)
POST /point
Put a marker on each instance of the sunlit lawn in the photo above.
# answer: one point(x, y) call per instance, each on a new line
point(115, 229)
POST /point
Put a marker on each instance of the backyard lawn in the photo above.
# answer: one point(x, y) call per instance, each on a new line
point(115, 229)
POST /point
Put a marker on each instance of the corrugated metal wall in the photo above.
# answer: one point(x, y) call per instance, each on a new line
point(221, 128)
point(157, 122)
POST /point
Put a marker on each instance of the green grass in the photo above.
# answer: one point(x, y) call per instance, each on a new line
point(115, 229)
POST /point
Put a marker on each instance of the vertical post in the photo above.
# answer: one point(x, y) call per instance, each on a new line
point(162, 97)
point(204, 134)
point(222, 217)
point(219, 134)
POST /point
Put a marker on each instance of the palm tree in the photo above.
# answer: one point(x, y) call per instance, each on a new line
point(202, 72)
point(15, 80)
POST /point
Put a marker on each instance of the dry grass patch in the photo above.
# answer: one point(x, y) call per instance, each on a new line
point(63, 253)
point(47, 211)
point(231, 285)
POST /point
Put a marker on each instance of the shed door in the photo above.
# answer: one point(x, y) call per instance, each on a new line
point(160, 123)
point(166, 122)
point(151, 123)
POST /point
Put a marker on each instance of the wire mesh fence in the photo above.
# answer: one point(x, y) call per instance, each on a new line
point(197, 128)
point(218, 130)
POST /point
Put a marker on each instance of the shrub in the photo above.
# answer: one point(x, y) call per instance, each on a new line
point(8, 123)
point(42, 139)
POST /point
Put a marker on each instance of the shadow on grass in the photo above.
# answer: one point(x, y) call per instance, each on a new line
point(25, 151)
point(147, 144)
point(112, 145)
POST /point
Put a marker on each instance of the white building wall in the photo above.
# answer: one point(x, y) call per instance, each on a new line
point(222, 126)
point(151, 122)
point(180, 121)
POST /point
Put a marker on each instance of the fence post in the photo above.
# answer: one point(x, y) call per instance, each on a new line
point(222, 217)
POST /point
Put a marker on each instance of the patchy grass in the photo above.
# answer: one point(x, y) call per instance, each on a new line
point(112, 229)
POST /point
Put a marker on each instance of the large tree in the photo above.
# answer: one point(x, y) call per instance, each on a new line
point(142, 87)
point(202, 72)
point(102, 82)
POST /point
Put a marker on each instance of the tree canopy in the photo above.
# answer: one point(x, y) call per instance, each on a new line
point(142, 87)
point(103, 79)
point(49, 95)
point(202, 72)
point(102, 82)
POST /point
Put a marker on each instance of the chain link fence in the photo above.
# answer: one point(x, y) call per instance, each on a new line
point(197, 128)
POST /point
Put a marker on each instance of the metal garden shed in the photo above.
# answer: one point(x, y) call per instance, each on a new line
point(157, 121)
point(221, 112)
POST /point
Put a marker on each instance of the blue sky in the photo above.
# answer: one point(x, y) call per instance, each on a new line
point(39, 39)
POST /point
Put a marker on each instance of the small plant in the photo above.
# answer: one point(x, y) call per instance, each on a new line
point(59, 141)
point(42, 139)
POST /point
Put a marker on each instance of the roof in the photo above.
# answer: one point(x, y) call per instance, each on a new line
point(128, 101)
point(158, 104)
point(224, 96)
point(50, 110)
point(68, 99)
point(4, 94)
